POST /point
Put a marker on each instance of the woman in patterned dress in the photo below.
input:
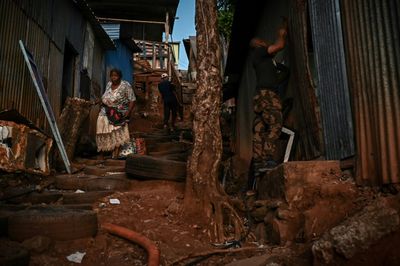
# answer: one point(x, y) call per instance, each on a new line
point(118, 102)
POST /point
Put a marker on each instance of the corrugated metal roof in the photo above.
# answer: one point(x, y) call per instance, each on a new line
point(332, 87)
point(153, 10)
point(98, 30)
point(112, 30)
point(142, 10)
point(372, 30)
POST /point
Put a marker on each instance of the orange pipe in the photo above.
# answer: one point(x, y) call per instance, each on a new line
point(152, 250)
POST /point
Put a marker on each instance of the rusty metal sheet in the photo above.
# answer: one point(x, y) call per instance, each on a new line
point(371, 29)
point(306, 109)
point(23, 149)
point(332, 89)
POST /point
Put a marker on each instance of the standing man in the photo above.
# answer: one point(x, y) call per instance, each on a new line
point(267, 124)
point(167, 90)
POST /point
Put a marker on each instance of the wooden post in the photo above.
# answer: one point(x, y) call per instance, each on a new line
point(167, 44)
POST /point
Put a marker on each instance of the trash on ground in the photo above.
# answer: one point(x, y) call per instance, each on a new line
point(115, 201)
point(76, 257)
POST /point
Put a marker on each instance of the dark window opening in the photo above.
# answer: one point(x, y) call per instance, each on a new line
point(68, 77)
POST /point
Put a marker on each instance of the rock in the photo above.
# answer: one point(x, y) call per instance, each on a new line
point(174, 208)
point(339, 189)
point(271, 214)
point(282, 231)
point(285, 214)
point(356, 233)
point(324, 215)
point(37, 244)
point(270, 204)
point(260, 233)
point(258, 214)
point(298, 183)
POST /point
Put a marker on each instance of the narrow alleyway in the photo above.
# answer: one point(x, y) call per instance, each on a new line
point(276, 144)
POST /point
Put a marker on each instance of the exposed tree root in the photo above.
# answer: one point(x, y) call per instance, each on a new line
point(226, 216)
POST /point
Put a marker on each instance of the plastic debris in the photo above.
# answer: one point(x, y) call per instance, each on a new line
point(115, 201)
point(79, 191)
point(76, 257)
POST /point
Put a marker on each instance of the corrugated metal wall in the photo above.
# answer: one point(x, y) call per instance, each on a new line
point(332, 87)
point(371, 30)
point(99, 75)
point(17, 90)
point(121, 58)
point(44, 29)
point(305, 106)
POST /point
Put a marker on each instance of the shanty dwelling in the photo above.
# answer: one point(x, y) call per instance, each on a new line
point(68, 46)
point(65, 40)
point(145, 22)
point(341, 103)
point(122, 56)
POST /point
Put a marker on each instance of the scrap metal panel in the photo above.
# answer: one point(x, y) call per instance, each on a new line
point(12, 28)
point(54, 78)
point(305, 107)
point(332, 88)
point(371, 30)
point(38, 44)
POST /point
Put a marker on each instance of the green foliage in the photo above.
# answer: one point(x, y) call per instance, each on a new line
point(226, 10)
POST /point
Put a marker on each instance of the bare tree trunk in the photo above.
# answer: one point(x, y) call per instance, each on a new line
point(204, 196)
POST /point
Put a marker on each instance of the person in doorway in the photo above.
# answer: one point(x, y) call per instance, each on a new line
point(118, 102)
point(267, 123)
point(167, 90)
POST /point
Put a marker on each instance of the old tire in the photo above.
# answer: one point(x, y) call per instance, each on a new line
point(181, 157)
point(87, 197)
point(148, 167)
point(103, 170)
point(168, 147)
point(112, 162)
point(56, 223)
point(91, 183)
point(13, 254)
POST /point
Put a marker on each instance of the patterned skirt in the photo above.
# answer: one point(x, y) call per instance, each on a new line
point(108, 136)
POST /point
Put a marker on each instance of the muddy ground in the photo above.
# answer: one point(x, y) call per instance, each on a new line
point(154, 209)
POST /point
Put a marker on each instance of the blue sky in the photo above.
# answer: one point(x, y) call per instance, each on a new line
point(183, 28)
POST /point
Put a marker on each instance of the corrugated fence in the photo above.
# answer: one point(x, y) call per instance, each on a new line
point(306, 109)
point(16, 87)
point(332, 88)
point(371, 30)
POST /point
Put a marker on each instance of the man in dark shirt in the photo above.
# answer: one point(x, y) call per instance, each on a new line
point(167, 90)
point(267, 124)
